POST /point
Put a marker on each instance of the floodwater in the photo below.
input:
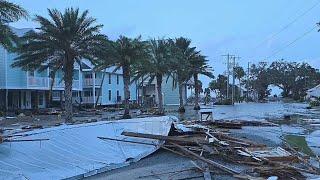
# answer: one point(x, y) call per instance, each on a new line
point(304, 124)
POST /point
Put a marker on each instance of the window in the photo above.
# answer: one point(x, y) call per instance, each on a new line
point(75, 94)
point(118, 96)
point(117, 78)
point(109, 78)
point(87, 93)
point(98, 75)
point(109, 95)
point(75, 74)
point(97, 91)
point(31, 73)
point(88, 76)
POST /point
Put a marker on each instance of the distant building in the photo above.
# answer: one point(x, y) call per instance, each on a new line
point(313, 92)
point(148, 94)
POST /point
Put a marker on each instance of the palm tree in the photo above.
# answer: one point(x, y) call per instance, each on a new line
point(239, 74)
point(9, 12)
point(62, 41)
point(156, 66)
point(180, 67)
point(125, 53)
point(199, 65)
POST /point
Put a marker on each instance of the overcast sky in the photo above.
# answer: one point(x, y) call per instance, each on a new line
point(245, 28)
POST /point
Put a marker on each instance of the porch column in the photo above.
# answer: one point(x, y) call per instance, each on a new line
point(61, 99)
point(19, 100)
point(93, 89)
point(6, 100)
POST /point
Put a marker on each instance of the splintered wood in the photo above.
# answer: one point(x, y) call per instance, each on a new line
point(224, 153)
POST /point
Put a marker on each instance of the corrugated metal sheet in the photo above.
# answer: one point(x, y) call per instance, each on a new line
point(75, 151)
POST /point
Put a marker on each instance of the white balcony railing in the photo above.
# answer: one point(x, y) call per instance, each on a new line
point(89, 82)
point(90, 100)
point(58, 83)
point(41, 82)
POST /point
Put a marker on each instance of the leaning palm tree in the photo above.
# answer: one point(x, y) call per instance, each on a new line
point(125, 53)
point(199, 65)
point(156, 66)
point(180, 66)
point(62, 41)
point(9, 12)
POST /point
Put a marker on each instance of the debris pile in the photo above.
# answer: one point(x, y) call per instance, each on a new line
point(239, 157)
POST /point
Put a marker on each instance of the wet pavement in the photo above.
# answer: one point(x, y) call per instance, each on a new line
point(294, 119)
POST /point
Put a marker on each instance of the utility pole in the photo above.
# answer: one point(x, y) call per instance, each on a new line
point(228, 71)
point(248, 76)
point(233, 80)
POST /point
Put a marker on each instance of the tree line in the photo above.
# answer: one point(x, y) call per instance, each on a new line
point(66, 38)
point(293, 78)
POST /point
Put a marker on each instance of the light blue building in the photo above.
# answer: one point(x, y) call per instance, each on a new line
point(105, 86)
point(30, 89)
point(170, 94)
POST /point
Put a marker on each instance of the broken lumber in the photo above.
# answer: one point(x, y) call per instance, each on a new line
point(208, 161)
point(165, 138)
point(128, 141)
point(24, 140)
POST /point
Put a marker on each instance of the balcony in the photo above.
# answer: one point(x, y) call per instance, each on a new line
point(38, 82)
point(89, 82)
point(90, 100)
point(59, 84)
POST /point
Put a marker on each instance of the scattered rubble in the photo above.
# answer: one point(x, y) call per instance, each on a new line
point(222, 153)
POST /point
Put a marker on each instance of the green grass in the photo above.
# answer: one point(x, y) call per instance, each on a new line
point(300, 143)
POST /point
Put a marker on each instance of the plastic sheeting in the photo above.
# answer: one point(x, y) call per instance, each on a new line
point(74, 151)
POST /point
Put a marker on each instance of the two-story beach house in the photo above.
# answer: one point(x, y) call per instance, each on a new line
point(30, 89)
point(147, 92)
point(105, 86)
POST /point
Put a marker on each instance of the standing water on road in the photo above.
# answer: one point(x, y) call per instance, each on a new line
point(302, 127)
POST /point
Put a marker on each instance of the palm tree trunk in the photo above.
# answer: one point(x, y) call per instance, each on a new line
point(50, 90)
point(126, 82)
point(159, 90)
point(181, 107)
point(99, 94)
point(239, 90)
point(68, 76)
point(196, 91)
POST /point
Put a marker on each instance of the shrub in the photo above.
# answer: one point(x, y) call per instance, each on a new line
point(314, 103)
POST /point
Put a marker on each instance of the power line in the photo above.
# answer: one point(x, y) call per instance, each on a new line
point(292, 42)
point(288, 25)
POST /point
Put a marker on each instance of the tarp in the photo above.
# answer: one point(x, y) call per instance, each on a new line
point(74, 151)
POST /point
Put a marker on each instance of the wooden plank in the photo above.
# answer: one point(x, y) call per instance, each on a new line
point(210, 162)
point(24, 140)
point(160, 137)
point(128, 141)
